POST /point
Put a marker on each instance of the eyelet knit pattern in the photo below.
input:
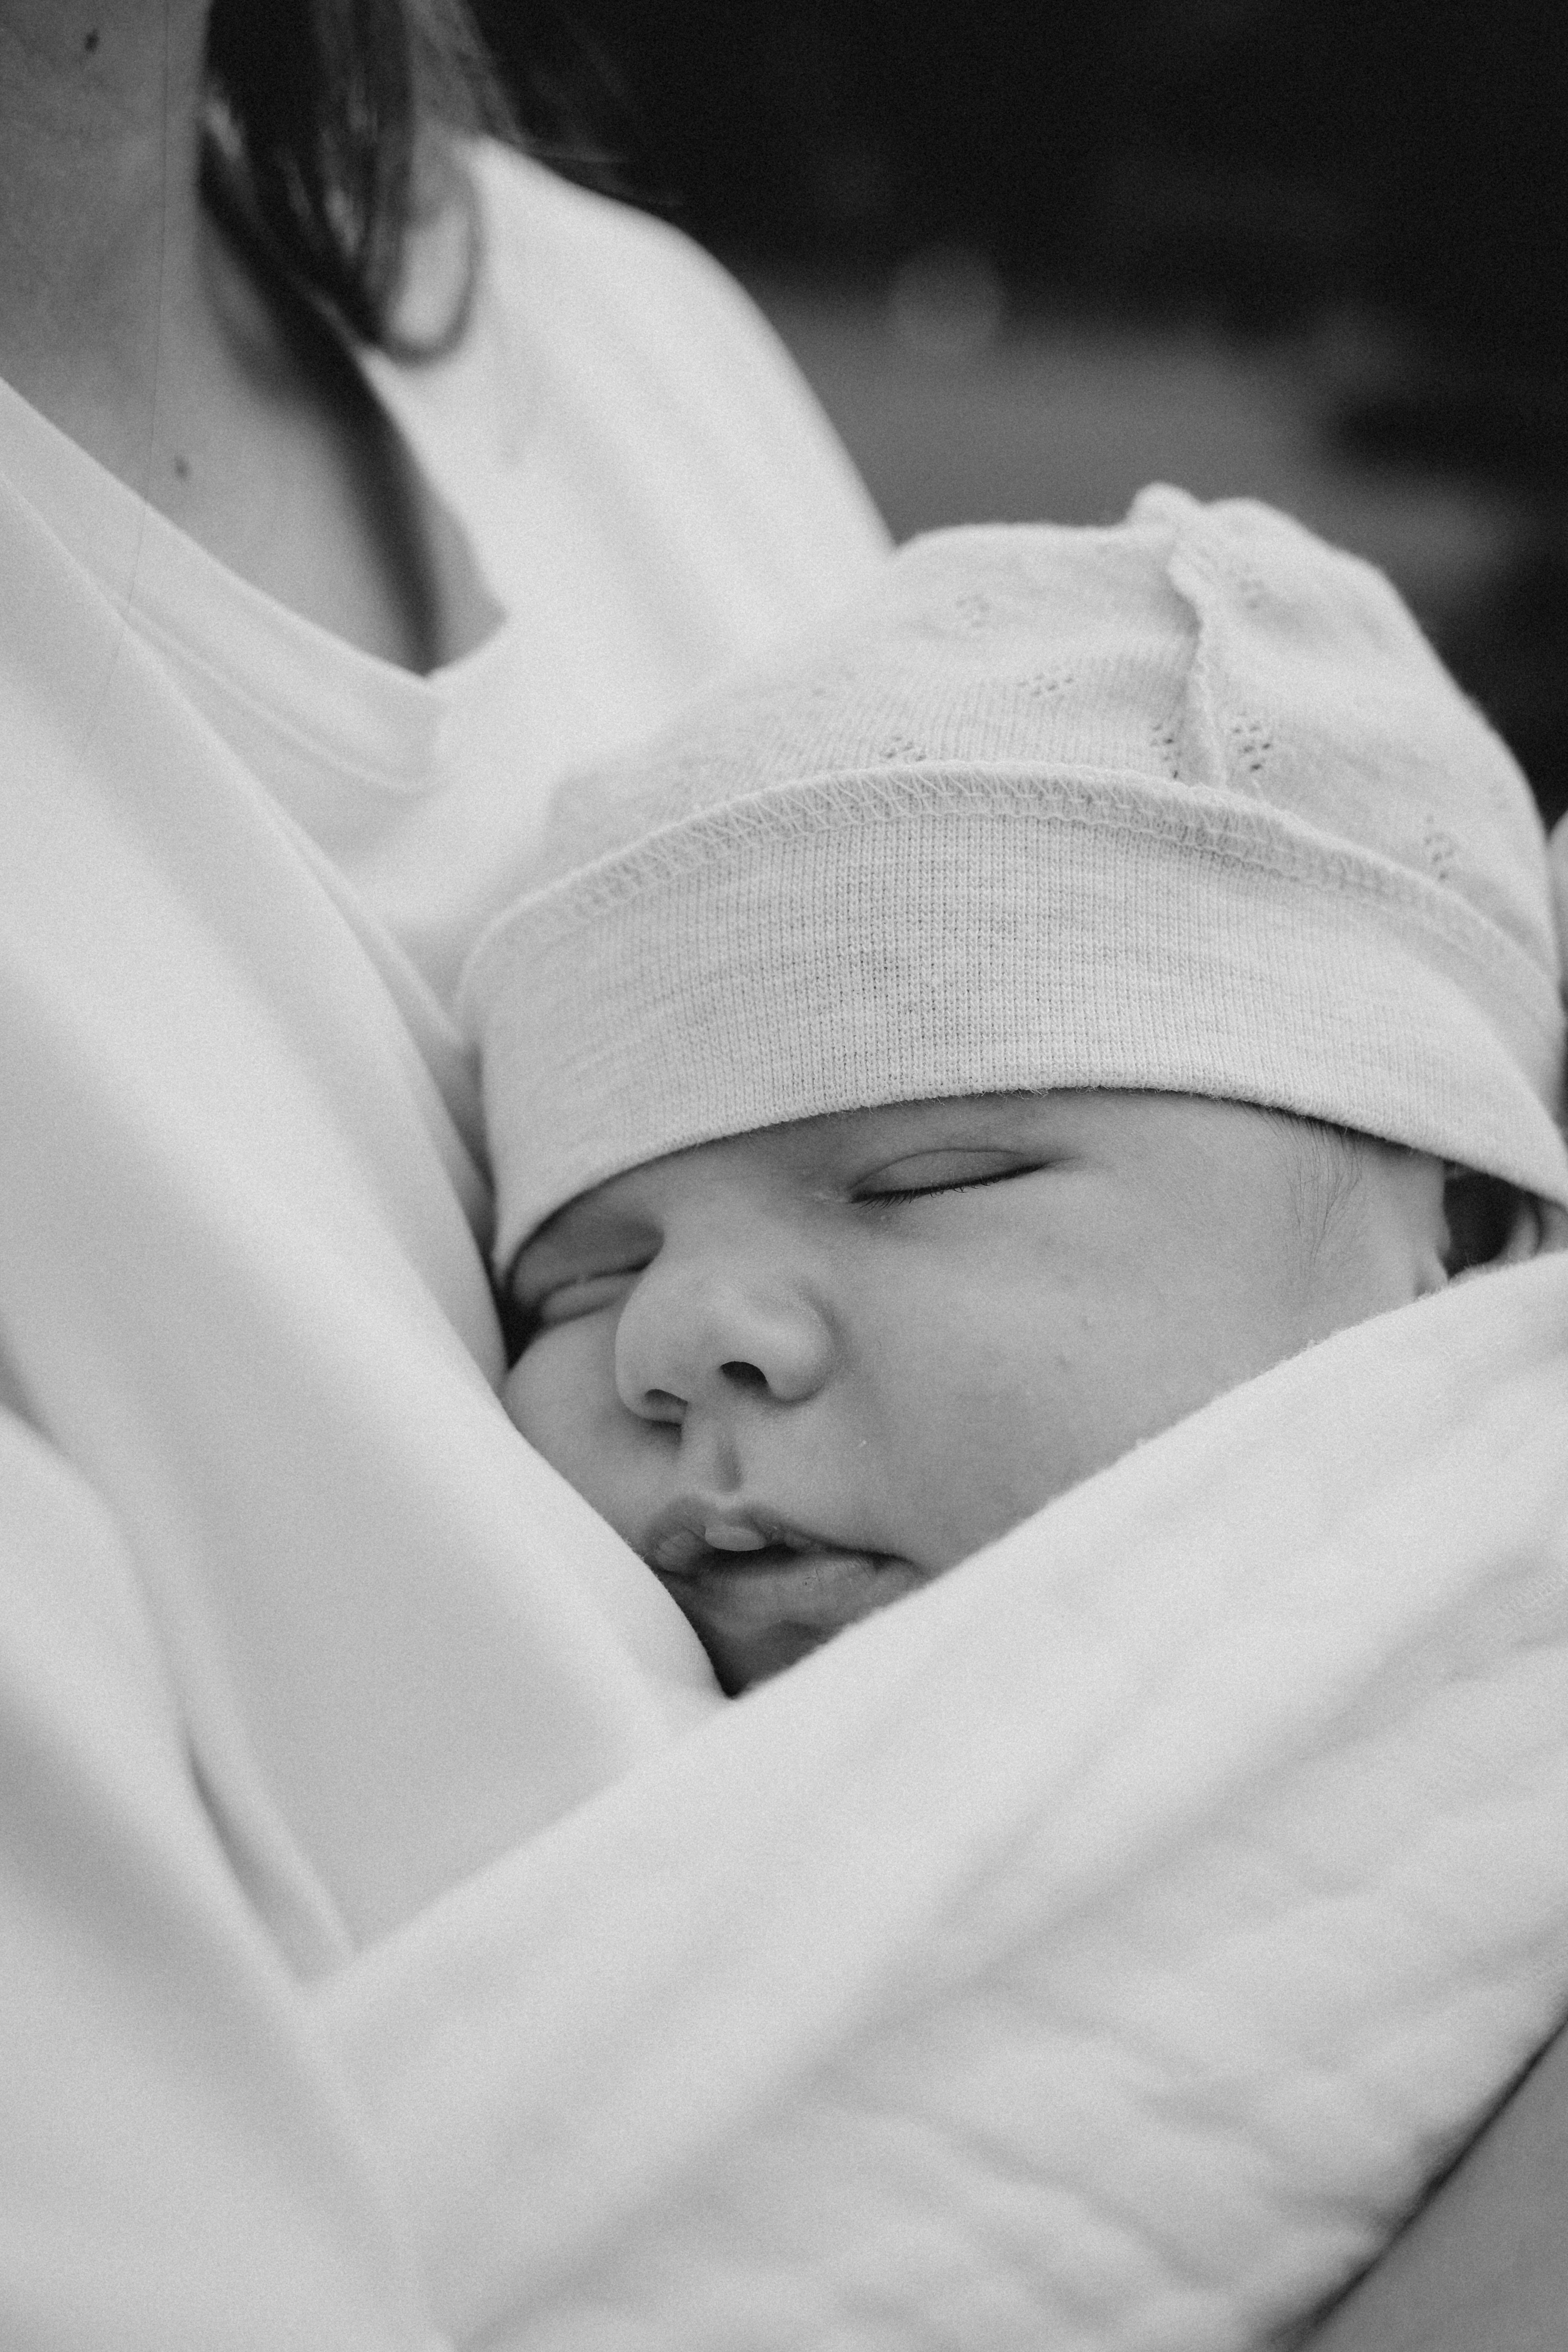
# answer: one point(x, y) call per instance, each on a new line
point(1185, 803)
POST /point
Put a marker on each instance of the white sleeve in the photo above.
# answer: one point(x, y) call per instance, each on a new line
point(180, 2171)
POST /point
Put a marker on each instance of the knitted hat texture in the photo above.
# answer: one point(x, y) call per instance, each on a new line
point(1185, 803)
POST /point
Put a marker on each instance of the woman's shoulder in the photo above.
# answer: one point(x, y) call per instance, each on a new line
point(644, 349)
point(631, 294)
point(538, 219)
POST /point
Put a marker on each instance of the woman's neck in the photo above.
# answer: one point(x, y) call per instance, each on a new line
point(129, 322)
point(99, 220)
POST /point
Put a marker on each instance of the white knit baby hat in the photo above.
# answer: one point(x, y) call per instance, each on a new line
point(1185, 803)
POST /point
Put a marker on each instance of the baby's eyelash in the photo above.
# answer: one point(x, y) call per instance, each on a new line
point(953, 1184)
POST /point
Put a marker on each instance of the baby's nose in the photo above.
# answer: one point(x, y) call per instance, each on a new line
point(686, 1337)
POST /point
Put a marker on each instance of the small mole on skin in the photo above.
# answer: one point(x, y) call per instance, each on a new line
point(183, 467)
point(92, 42)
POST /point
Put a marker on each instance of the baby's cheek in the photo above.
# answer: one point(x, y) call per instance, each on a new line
point(517, 1395)
point(560, 1393)
point(551, 1395)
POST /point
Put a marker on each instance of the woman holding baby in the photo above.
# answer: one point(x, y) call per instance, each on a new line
point(368, 1919)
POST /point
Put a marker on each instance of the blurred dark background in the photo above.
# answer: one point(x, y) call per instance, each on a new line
point(1033, 253)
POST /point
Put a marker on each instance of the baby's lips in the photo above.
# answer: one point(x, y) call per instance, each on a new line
point(723, 1535)
point(755, 1615)
point(816, 1592)
point(694, 1533)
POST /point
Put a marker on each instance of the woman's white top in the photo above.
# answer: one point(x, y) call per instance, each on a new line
point(254, 1315)
point(401, 1944)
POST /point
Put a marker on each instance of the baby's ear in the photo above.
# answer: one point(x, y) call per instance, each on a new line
point(1492, 1223)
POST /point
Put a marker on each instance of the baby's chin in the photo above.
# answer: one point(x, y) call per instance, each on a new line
point(757, 1612)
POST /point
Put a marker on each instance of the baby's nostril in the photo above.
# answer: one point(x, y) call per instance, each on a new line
point(743, 1375)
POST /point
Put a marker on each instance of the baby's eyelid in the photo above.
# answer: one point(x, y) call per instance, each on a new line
point(957, 1180)
point(582, 1292)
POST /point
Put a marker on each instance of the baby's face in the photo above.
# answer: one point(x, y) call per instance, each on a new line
point(805, 1370)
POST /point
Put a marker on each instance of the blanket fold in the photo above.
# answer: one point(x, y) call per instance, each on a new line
point(1102, 1949)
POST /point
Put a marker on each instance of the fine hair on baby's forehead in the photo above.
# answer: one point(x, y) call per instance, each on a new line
point(1326, 1166)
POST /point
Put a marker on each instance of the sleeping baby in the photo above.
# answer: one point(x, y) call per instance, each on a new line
point(1100, 964)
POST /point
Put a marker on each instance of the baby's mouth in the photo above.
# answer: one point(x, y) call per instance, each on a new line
point(692, 1540)
point(761, 1592)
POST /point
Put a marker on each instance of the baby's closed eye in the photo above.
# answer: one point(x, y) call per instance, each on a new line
point(954, 1169)
point(570, 1297)
point(580, 1294)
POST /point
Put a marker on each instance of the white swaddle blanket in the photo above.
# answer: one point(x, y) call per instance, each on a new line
point(1102, 1948)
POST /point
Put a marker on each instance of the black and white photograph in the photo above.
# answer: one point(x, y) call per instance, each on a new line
point(783, 1176)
